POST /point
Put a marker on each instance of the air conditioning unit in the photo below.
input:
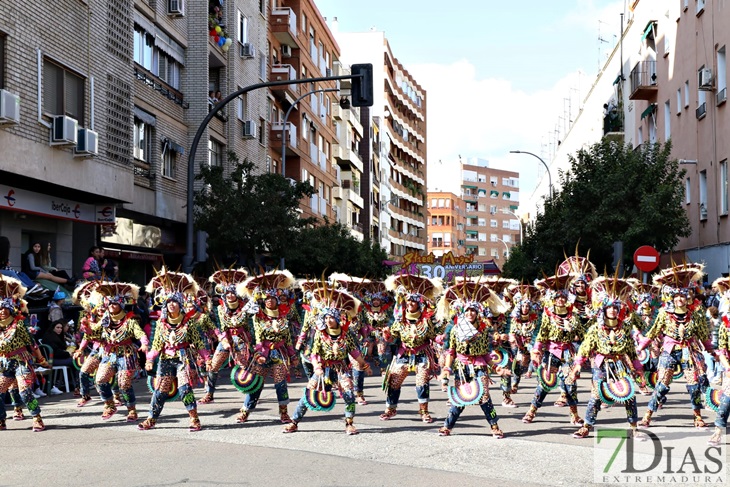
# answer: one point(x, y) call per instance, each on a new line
point(247, 50)
point(285, 50)
point(176, 7)
point(88, 143)
point(9, 107)
point(64, 130)
point(706, 78)
point(249, 129)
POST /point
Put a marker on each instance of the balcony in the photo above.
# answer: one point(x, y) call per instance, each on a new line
point(283, 72)
point(350, 192)
point(643, 81)
point(346, 157)
point(284, 26)
point(613, 126)
point(277, 130)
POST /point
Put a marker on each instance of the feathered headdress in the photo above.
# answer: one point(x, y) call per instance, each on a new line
point(11, 295)
point(172, 286)
point(611, 291)
point(122, 293)
point(226, 280)
point(466, 295)
point(722, 284)
point(273, 284)
point(410, 287)
point(327, 300)
point(552, 286)
point(678, 279)
point(579, 268)
point(83, 292)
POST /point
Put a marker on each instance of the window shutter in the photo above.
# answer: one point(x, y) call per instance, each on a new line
point(74, 96)
point(52, 89)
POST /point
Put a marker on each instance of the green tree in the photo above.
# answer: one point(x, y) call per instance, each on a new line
point(610, 193)
point(332, 248)
point(247, 214)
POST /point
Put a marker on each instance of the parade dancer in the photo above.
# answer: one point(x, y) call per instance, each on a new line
point(333, 351)
point(177, 343)
point(646, 304)
point(377, 317)
point(559, 328)
point(119, 355)
point(234, 336)
point(270, 304)
point(610, 348)
point(524, 323)
point(683, 331)
point(469, 347)
point(17, 351)
point(503, 288)
point(723, 357)
point(413, 330)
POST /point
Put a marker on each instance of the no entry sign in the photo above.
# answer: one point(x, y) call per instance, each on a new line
point(646, 258)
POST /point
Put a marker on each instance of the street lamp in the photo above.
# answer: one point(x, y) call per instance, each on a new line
point(505, 210)
point(286, 118)
point(506, 247)
point(550, 178)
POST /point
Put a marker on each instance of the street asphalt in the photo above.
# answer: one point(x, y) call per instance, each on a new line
point(79, 449)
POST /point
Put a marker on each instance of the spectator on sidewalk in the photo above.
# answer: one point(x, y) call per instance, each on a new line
point(55, 339)
point(91, 270)
point(31, 265)
point(55, 306)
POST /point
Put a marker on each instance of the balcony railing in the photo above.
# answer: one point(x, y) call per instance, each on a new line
point(284, 25)
point(643, 81)
point(612, 123)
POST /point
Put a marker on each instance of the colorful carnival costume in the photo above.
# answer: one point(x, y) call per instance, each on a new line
point(469, 351)
point(553, 348)
point(684, 334)
point(119, 353)
point(305, 339)
point(234, 336)
point(524, 325)
point(177, 344)
point(332, 352)
point(413, 330)
point(198, 307)
point(502, 288)
point(609, 346)
point(723, 356)
point(375, 316)
point(646, 306)
point(271, 302)
point(17, 351)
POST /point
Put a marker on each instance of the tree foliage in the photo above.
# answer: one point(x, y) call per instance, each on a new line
point(332, 248)
point(610, 193)
point(247, 214)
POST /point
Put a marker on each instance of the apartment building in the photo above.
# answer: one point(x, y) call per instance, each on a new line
point(100, 110)
point(667, 80)
point(491, 198)
point(400, 110)
point(446, 224)
point(301, 116)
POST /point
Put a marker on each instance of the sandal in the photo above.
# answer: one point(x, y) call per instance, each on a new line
point(700, 423)
point(716, 438)
point(425, 416)
point(83, 401)
point(242, 417)
point(38, 424)
point(529, 416)
point(132, 415)
point(147, 424)
point(290, 428)
point(206, 399)
point(583, 431)
point(561, 403)
point(361, 401)
point(18, 414)
point(195, 425)
point(444, 431)
point(507, 402)
point(110, 410)
point(350, 428)
point(389, 413)
point(497, 433)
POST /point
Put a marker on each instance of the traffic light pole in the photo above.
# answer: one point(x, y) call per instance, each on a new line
point(361, 83)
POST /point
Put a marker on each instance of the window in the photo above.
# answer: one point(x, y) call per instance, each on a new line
point(169, 161)
point(667, 121)
point(215, 153)
point(687, 191)
point(262, 66)
point(686, 94)
point(262, 130)
point(640, 136)
point(493, 223)
point(723, 188)
point(701, 94)
point(447, 240)
point(482, 251)
point(304, 22)
point(441, 203)
point(433, 202)
point(679, 101)
point(262, 7)
point(143, 46)
point(506, 238)
point(448, 203)
point(505, 223)
point(492, 237)
point(63, 92)
point(142, 140)
point(150, 52)
point(241, 106)
point(242, 28)
point(494, 253)
point(493, 181)
point(703, 195)
point(700, 6)
point(652, 129)
point(721, 75)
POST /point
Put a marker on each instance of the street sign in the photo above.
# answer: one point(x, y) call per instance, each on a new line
point(646, 258)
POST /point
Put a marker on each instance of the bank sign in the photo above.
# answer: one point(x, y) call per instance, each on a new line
point(23, 201)
point(447, 266)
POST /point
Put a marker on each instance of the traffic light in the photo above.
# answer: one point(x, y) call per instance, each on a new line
point(201, 246)
point(362, 85)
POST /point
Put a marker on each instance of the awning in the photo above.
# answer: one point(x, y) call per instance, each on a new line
point(468, 186)
point(617, 80)
point(176, 147)
point(147, 118)
point(649, 29)
point(494, 193)
point(506, 194)
point(649, 111)
point(513, 207)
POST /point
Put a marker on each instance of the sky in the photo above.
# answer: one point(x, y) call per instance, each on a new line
point(499, 76)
